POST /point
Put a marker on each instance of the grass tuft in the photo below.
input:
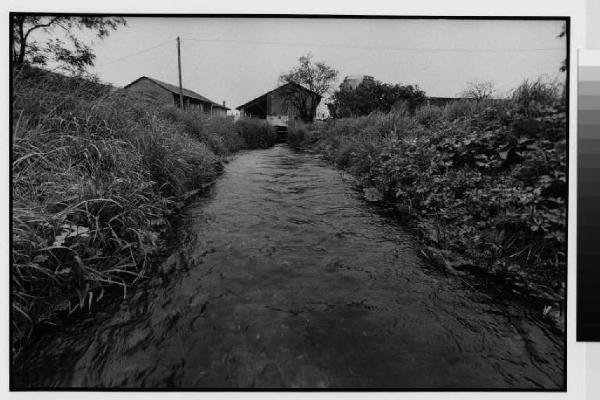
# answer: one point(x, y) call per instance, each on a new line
point(96, 174)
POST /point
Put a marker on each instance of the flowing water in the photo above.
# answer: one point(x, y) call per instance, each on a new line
point(288, 279)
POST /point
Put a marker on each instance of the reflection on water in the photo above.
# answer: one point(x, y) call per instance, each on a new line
point(290, 280)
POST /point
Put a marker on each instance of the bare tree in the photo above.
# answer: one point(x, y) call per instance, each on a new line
point(72, 53)
point(479, 90)
point(317, 77)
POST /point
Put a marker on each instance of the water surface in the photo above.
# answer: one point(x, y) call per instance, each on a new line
point(288, 279)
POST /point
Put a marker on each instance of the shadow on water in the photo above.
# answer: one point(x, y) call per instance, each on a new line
point(288, 279)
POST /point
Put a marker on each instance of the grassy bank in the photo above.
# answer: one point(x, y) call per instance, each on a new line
point(483, 182)
point(96, 175)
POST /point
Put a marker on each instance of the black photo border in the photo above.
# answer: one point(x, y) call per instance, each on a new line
point(565, 19)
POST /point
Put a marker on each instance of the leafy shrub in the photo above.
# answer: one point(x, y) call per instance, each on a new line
point(482, 178)
point(530, 96)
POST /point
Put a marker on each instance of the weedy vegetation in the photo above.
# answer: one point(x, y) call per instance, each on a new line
point(484, 182)
point(96, 176)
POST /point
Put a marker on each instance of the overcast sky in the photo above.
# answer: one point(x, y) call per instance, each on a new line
point(237, 59)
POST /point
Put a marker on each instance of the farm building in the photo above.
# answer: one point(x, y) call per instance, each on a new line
point(352, 81)
point(169, 94)
point(281, 105)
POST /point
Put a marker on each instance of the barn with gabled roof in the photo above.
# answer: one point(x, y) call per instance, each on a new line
point(169, 94)
point(278, 105)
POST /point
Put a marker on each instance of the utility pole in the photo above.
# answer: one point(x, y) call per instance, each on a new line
point(179, 67)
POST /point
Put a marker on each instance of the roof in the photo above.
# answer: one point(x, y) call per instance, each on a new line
point(277, 88)
point(359, 77)
point(175, 90)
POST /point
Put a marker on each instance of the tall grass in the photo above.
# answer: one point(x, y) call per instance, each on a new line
point(96, 172)
point(222, 134)
point(256, 133)
point(484, 179)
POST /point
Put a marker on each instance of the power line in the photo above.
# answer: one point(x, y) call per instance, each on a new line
point(135, 54)
point(406, 49)
point(419, 50)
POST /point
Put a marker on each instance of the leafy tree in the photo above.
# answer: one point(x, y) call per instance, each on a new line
point(70, 53)
point(372, 96)
point(563, 33)
point(479, 90)
point(317, 77)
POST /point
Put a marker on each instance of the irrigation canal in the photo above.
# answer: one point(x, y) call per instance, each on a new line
point(289, 279)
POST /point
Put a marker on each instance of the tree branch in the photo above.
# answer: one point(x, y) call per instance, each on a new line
point(39, 26)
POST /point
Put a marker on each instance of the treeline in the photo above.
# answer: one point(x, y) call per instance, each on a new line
point(96, 176)
point(483, 182)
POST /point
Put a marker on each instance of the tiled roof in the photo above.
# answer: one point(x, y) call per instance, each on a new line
point(175, 90)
